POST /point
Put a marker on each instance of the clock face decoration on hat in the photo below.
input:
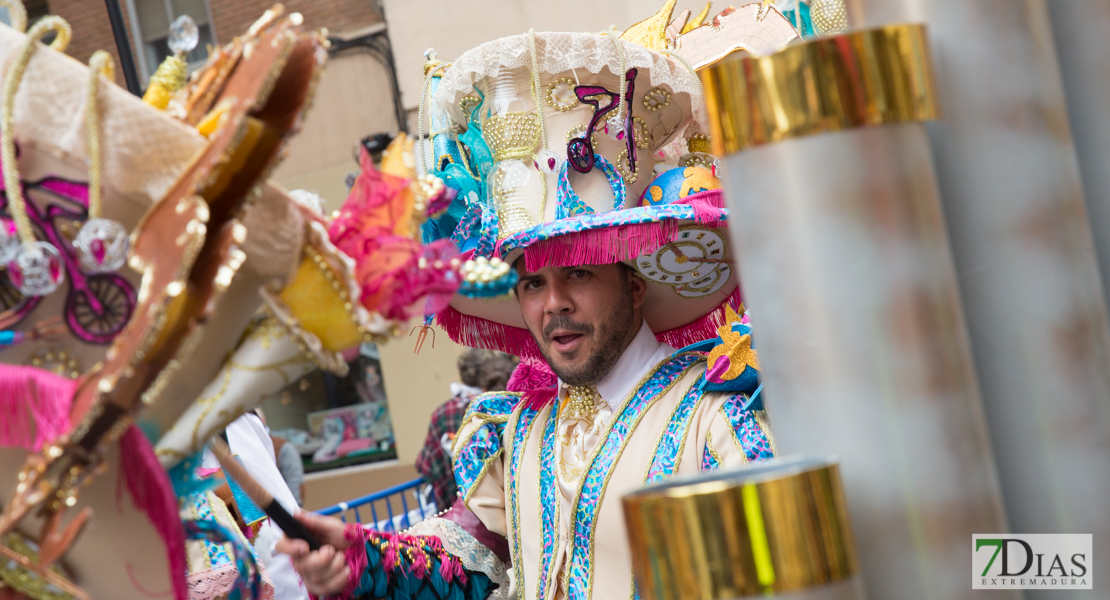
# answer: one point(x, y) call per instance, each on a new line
point(577, 148)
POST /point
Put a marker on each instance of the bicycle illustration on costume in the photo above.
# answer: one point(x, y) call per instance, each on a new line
point(97, 306)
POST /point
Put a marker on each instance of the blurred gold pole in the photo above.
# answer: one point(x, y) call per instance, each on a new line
point(765, 530)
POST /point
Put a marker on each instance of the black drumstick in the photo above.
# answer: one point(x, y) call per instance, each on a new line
point(273, 509)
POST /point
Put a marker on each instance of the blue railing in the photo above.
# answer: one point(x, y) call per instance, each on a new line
point(384, 501)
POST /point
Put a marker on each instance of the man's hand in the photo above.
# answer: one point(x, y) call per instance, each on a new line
point(324, 571)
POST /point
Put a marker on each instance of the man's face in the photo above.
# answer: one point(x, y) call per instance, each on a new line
point(582, 317)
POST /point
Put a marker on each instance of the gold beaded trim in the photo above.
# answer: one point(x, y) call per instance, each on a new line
point(691, 160)
point(657, 98)
point(643, 134)
point(468, 103)
point(580, 130)
point(557, 104)
point(424, 188)
point(627, 174)
point(512, 135)
point(513, 218)
point(58, 361)
point(337, 285)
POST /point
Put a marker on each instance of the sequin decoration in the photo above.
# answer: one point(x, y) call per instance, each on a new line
point(216, 553)
point(625, 170)
point(570, 205)
point(520, 440)
point(512, 135)
point(580, 569)
point(748, 433)
point(473, 458)
point(665, 460)
point(829, 16)
point(588, 222)
point(472, 455)
point(549, 500)
point(642, 133)
point(492, 403)
point(710, 460)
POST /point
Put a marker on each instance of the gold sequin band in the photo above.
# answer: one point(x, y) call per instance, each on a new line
point(870, 77)
point(512, 135)
point(165, 82)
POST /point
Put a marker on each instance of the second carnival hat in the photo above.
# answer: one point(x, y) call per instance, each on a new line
point(576, 148)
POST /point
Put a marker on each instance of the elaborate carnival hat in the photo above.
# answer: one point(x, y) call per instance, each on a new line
point(579, 148)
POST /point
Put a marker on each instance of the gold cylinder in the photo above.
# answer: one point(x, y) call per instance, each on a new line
point(868, 77)
point(773, 528)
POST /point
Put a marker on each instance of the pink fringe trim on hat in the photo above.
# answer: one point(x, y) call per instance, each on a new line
point(33, 400)
point(619, 243)
point(475, 332)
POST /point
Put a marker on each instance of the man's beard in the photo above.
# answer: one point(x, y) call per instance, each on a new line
point(612, 335)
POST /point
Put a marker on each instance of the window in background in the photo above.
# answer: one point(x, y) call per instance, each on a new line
point(36, 9)
point(336, 422)
point(150, 22)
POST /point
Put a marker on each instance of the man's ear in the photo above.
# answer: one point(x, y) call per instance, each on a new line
point(638, 287)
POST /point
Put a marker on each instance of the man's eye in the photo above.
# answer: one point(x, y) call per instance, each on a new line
point(534, 284)
point(579, 274)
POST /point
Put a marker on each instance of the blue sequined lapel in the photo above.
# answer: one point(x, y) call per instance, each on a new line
point(580, 572)
point(747, 432)
point(474, 454)
point(549, 499)
point(520, 440)
point(665, 460)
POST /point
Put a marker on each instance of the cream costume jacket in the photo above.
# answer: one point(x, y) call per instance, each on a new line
point(550, 479)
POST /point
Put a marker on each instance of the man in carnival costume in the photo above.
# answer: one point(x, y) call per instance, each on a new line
point(579, 160)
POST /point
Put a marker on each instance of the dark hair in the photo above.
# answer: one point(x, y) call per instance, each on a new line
point(496, 371)
point(470, 366)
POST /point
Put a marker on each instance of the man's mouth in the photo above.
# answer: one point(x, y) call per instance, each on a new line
point(566, 341)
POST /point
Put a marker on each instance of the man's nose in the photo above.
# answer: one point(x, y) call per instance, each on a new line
point(557, 301)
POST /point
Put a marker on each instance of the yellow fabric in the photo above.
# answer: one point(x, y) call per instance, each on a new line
point(320, 309)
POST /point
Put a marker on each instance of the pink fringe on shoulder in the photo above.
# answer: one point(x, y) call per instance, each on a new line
point(153, 495)
point(475, 332)
point(33, 400)
point(539, 398)
point(702, 329)
point(529, 374)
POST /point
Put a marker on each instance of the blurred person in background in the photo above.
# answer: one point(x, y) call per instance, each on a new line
point(480, 371)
